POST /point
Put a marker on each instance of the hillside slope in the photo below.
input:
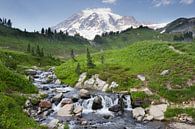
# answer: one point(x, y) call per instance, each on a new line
point(181, 25)
point(56, 45)
point(148, 58)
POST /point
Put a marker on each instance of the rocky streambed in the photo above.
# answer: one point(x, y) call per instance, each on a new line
point(57, 104)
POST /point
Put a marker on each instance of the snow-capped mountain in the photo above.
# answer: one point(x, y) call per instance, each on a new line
point(91, 22)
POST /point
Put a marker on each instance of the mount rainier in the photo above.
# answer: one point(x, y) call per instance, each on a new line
point(91, 22)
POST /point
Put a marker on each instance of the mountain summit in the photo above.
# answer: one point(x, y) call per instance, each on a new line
point(91, 22)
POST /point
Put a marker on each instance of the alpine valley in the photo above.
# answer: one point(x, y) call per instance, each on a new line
point(98, 70)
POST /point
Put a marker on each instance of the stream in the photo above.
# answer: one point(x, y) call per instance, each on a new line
point(89, 116)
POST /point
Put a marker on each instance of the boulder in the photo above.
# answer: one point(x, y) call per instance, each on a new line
point(84, 94)
point(81, 80)
point(138, 113)
point(77, 110)
point(66, 101)
point(57, 98)
point(45, 104)
point(165, 72)
point(53, 123)
point(148, 118)
point(115, 108)
point(66, 110)
point(97, 103)
point(75, 98)
point(141, 77)
point(157, 111)
point(99, 84)
point(89, 84)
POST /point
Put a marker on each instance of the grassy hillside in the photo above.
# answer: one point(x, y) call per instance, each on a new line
point(15, 39)
point(149, 58)
point(130, 36)
point(19, 60)
point(11, 87)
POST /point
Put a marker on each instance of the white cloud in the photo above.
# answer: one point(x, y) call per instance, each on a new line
point(158, 3)
point(186, 2)
point(109, 1)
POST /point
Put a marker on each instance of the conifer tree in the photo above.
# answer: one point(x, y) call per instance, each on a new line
point(9, 23)
point(72, 55)
point(38, 51)
point(28, 48)
point(78, 69)
point(33, 51)
point(90, 63)
point(42, 31)
point(102, 59)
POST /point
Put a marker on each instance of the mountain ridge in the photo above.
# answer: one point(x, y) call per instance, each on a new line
point(91, 22)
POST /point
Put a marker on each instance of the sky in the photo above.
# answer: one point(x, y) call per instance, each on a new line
point(35, 14)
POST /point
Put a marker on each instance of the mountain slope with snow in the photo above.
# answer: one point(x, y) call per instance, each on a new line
point(91, 22)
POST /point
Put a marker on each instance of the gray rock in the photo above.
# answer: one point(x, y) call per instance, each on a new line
point(97, 103)
point(53, 123)
point(66, 110)
point(84, 94)
point(138, 113)
point(157, 111)
point(57, 98)
point(115, 108)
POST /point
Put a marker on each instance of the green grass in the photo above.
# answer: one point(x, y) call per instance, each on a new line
point(11, 114)
point(20, 61)
point(149, 58)
point(13, 85)
point(17, 40)
point(130, 36)
point(174, 112)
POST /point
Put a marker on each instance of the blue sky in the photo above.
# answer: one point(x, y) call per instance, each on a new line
point(35, 14)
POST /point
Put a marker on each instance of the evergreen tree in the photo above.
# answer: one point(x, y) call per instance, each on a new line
point(33, 51)
point(28, 48)
point(102, 59)
point(42, 52)
point(1, 21)
point(72, 55)
point(78, 69)
point(90, 63)
point(42, 31)
point(9, 23)
point(38, 51)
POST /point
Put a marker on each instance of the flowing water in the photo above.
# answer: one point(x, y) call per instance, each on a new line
point(96, 119)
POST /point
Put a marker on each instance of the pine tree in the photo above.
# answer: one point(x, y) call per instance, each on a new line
point(72, 55)
point(33, 51)
point(90, 63)
point(78, 69)
point(42, 31)
point(42, 52)
point(28, 48)
point(102, 59)
point(38, 52)
point(9, 23)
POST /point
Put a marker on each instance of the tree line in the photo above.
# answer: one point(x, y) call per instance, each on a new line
point(6, 22)
point(183, 36)
point(35, 51)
